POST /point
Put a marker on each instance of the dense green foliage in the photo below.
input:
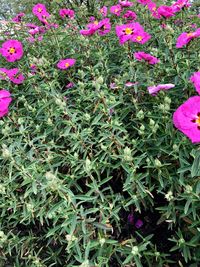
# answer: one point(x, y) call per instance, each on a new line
point(76, 162)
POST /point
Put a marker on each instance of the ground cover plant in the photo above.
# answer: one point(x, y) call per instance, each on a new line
point(100, 133)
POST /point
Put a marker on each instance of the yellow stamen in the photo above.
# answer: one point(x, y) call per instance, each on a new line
point(154, 8)
point(190, 34)
point(198, 120)
point(66, 65)
point(39, 9)
point(12, 50)
point(96, 22)
point(128, 31)
point(139, 38)
point(116, 10)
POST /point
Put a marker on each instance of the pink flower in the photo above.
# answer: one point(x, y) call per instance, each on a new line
point(185, 38)
point(125, 32)
point(91, 28)
point(153, 90)
point(39, 9)
point(104, 11)
point(178, 5)
point(18, 18)
point(195, 79)
point(104, 26)
point(147, 57)
point(153, 9)
point(130, 15)
point(5, 100)
point(143, 2)
point(116, 10)
point(64, 64)
point(12, 50)
point(125, 3)
point(187, 118)
point(130, 84)
point(133, 32)
point(69, 85)
point(67, 13)
point(15, 76)
point(141, 37)
point(165, 11)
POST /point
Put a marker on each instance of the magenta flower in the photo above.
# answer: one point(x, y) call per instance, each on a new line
point(178, 5)
point(18, 18)
point(187, 118)
point(15, 76)
point(12, 50)
point(91, 28)
point(165, 11)
point(104, 11)
point(125, 32)
point(153, 90)
point(133, 32)
point(39, 9)
point(125, 3)
point(147, 57)
point(67, 13)
point(104, 26)
point(116, 10)
point(69, 85)
point(185, 38)
point(130, 15)
point(64, 64)
point(141, 37)
point(5, 100)
point(144, 2)
point(195, 79)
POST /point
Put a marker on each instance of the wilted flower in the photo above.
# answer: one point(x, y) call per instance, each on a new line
point(3, 73)
point(66, 63)
point(12, 50)
point(187, 118)
point(147, 57)
point(5, 100)
point(153, 90)
point(195, 79)
point(104, 11)
point(18, 17)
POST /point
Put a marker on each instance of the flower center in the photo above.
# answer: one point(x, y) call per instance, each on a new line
point(39, 9)
point(128, 31)
point(139, 38)
point(154, 8)
point(66, 65)
point(116, 10)
point(190, 34)
point(12, 50)
point(197, 120)
point(96, 22)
